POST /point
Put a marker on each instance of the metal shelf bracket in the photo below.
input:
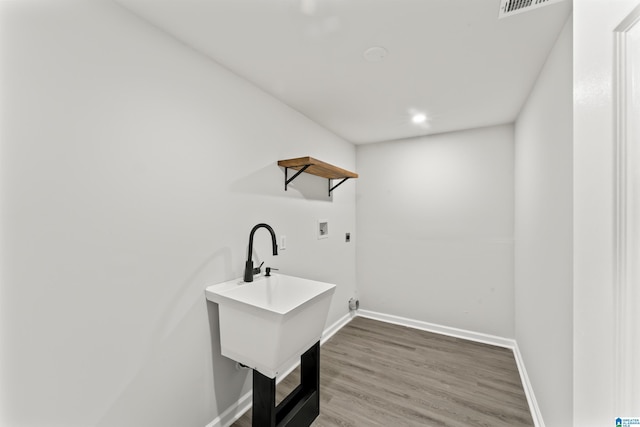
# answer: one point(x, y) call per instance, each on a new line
point(288, 180)
point(335, 186)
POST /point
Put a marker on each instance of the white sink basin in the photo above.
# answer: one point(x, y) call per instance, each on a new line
point(267, 324)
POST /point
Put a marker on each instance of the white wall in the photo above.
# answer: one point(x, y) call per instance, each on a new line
point(543, 234)
point(435, 229)
point(132, 172)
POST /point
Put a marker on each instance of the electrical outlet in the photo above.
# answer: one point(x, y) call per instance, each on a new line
point(347, 237)
point(283, 243)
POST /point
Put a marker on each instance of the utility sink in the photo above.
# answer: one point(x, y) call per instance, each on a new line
point(269, 323)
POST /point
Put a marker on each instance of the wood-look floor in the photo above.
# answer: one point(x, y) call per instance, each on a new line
point(379, 374)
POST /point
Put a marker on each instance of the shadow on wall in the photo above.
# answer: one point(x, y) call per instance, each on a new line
point(227, 380)
point(268, 182)
point(160, 391)
point(214, 268)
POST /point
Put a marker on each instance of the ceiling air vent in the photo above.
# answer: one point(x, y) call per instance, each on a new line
point(513, 7)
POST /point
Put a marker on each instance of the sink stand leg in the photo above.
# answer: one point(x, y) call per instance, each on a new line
point(300, 407)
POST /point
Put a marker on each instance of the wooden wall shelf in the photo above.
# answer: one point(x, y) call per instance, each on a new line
point(315, 167)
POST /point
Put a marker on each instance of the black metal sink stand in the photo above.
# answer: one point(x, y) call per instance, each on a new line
point(300, 407)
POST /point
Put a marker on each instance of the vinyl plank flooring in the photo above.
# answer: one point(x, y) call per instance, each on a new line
point(378, 374)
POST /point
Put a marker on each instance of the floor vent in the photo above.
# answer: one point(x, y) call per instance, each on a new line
point(513, 7)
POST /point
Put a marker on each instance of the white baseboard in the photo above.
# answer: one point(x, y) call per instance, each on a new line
point(528, 388)
point(335, 327)
point(236, 410)
point(440, 329)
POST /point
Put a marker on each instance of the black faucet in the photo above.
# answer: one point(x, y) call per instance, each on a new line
point(248, 267)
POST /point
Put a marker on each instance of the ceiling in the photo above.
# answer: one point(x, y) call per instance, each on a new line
point(452, 60)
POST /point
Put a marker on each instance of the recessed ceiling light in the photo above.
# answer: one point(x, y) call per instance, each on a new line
point(419, 118)
point(375, 54)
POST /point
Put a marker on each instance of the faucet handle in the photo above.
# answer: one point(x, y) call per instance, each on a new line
point(256, 270)
point(269, 271)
